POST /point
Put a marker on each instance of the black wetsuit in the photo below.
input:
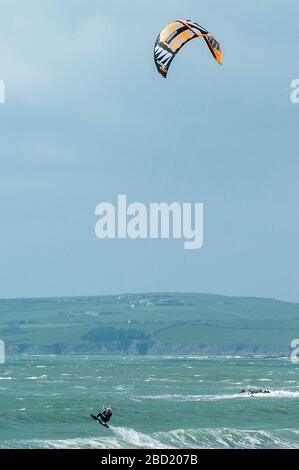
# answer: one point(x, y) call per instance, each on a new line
point(105, 416)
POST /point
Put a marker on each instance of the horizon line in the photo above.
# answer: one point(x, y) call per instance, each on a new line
point(148, 293)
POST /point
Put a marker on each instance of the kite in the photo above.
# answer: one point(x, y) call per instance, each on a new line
point(174, 36)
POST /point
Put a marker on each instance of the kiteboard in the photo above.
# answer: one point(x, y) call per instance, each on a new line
point(99, 420)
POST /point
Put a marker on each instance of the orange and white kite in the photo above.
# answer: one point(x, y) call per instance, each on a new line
point(174, 36)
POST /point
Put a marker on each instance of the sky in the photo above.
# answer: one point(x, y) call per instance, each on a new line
point(87, 117)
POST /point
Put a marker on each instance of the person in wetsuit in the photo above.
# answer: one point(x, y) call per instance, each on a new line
point(105, 415)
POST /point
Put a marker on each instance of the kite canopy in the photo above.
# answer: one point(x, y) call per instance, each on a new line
point(174, 36)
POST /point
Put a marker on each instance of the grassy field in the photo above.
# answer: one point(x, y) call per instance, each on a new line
point(149, 324)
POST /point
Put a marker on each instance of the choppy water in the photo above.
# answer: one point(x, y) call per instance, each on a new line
point(158, 402)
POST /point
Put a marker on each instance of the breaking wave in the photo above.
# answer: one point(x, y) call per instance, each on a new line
point(231, 396)
point(217, 438)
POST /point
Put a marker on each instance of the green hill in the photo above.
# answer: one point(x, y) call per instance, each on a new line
point(149, 324)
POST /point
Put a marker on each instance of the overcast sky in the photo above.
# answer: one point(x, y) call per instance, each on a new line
point(88, 117)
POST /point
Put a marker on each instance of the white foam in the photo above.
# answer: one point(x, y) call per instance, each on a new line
point(197, 438)
point(41, 377)
point(119, 438)
point(190, 398)
point(225, 438)
point(87, 443)
point(137, 439)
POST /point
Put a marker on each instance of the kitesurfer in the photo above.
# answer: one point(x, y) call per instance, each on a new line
point(105, 415)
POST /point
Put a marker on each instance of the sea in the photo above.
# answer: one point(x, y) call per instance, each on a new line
point(159, 402)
